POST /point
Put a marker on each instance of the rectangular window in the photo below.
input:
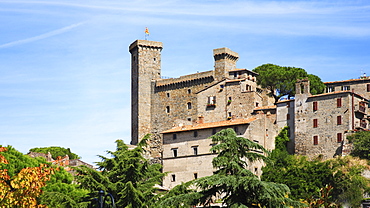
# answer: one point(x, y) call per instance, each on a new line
point(339, 102)
point(315, 140)
point(339, 120)
point(330, 89)
point(195, 133)
point(174, 152)
point(368, 87)
point(236, 129)
point(195, 150)
point(195, 175)
point(214, 131)
point(315, 123)
point(344, 88)
point(339, 137)
point(288, 116)
point(173, 177)
point(212, 100)
point(314, 106)
point(174, 136)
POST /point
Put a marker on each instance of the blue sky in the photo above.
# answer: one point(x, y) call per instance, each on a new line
point(65, 65)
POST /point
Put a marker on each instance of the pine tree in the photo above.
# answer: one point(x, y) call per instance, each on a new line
point(127, 175)
point(232, 183)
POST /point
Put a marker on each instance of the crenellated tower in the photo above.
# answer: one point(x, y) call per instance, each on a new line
point(225, 60)
point(145, 68)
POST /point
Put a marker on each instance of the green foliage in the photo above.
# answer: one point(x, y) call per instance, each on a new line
point(232, 182)
point(56, 151)
point(280, 80)
point(127, 175)
point(361, 144)
point(59, 191)
point(306, 178)
point(62, 192)
point(18, 161)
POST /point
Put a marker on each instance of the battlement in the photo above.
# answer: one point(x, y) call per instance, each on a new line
point(147, 44)
point(185, 78)
point(222, 53)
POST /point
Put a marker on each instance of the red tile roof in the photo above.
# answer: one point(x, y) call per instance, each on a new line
point(265, 107)
point(231, 122)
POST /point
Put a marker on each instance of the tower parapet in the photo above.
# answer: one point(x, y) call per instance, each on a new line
point(225, 60)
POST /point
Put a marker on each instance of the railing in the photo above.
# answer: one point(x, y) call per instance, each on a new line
point(103, 201)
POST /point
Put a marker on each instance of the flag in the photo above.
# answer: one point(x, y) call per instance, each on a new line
point(146, 31)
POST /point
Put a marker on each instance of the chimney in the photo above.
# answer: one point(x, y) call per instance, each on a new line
point(200, 119)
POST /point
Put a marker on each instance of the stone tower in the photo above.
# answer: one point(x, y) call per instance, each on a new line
point(145, 67)
point(225, 60)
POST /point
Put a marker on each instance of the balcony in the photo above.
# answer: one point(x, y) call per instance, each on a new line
point(360, 108)
point(361, 125)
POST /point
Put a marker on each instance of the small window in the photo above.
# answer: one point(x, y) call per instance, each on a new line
point(315, 107)
point(189, 105)
point(167, 109)
point(344, 88)
point(168, 94)
point(236, 129)
point(189, 119)
point(189, 91)
point(368, 87)
point(315, 140)
point(339, 102)
point(315, 123)
point(195, 175)
point(195, 150)
point(288, 116)
point(195, 133)
point(330, 89)
point(339, 137)
point(255, 170)
point(173, 177)
point(174, 152)
point(214, 131)
point(174, 136)
point(257, 104)
point(154, 59)
point(339, 120)
point(212, 100)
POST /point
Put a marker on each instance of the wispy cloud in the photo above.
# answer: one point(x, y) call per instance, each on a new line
point(42, 36)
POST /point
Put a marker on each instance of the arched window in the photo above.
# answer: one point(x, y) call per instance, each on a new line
point(189, 105)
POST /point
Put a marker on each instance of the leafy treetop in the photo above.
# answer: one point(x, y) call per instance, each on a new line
point(56, 152)
point(280, 80)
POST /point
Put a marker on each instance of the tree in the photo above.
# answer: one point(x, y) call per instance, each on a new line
point(54, 190)
point(56, 152)
point(232, 182)
point(280, 80)
point(21, 189)
point(361, 144)
point(309, 179)
point(128, 176)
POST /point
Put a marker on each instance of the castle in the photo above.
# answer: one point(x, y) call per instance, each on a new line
point(182, 113)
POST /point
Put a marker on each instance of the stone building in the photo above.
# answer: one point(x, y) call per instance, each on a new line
point(360, 86)
point(161, 104)
point(170, 109)
point(186, 149)
point(320, 123)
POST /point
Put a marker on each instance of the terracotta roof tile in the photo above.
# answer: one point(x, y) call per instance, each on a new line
point(349, 80)
point(265, 107)
point(231, 122)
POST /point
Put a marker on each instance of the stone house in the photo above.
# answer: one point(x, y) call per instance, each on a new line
point(186, 148)
point(320, 123)
point(361, 86)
